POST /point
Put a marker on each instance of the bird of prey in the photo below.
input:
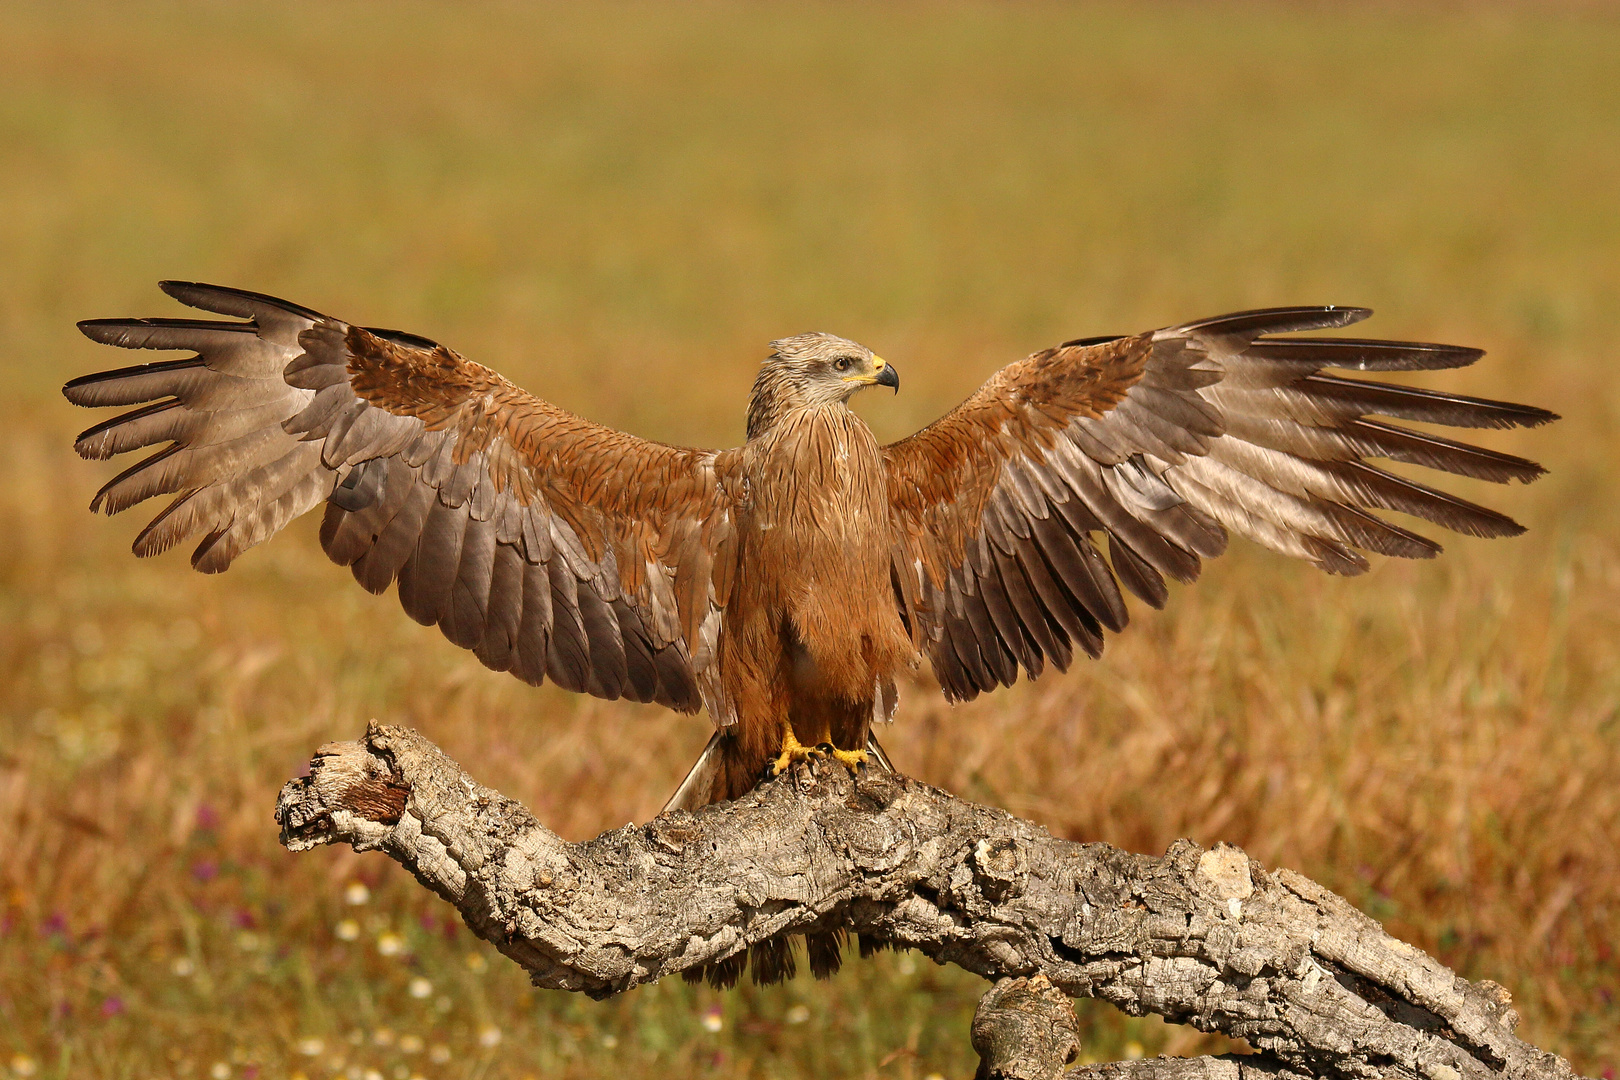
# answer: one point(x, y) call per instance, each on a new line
point(784, 584)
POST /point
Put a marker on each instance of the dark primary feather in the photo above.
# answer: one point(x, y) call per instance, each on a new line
point(1330, 398)
point(1280, 320)
point(1355, 354)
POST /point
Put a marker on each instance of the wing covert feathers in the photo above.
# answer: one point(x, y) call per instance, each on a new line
point(548, 545)
point(1160, 443)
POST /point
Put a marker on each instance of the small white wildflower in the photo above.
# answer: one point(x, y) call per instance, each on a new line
point(410, 1044)
point(1133, 1050)
point(347, 930)
point(356, 894)
point(220, 1071)
point(420, 988)
point(798, 1014)
point(382, 1037)
point(312, 1047)
point(390, 943)
point(476, 963)
point(23, 1065)
point(183, 967)
point(439, 1054)
point(489, 1035)
point(711, 1019)
point(371, 1074)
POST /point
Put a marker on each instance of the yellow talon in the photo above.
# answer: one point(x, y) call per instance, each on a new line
point(853, 760)
point(794, 751)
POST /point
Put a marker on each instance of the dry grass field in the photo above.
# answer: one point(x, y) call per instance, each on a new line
point(618, 206)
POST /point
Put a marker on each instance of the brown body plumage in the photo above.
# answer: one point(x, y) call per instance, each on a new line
point(816, 640)
point(784, 584)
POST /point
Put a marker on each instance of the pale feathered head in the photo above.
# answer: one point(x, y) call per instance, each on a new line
point(808, 370)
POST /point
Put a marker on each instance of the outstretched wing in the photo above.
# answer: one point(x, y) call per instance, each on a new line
point(549, 545)
point(1161, 442)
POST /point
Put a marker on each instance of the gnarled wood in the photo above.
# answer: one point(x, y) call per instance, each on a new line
point(1204, 937)
point(1024, 1029)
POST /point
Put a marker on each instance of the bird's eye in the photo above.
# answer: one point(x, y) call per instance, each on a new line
point(842, 363)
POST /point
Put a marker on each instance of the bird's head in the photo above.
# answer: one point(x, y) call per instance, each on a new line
point(814, 369)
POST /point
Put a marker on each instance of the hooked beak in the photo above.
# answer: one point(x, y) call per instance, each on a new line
point(886, 375)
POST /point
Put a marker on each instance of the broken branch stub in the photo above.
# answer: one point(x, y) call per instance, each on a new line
point(1203, 937)
point(1024, 1029)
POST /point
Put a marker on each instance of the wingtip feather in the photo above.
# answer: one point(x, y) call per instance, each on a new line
point(1279, 320)
point(105, 332)
point(225, 300)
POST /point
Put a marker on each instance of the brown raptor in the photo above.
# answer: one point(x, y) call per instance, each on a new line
point(783, 585)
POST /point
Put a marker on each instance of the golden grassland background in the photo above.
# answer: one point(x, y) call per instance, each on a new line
point(618, 206)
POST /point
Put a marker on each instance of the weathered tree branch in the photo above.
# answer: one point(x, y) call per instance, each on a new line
point(1207, 938)
point(1024, 1029)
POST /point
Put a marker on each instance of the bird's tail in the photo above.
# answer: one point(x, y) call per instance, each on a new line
point(773, 959)
point(698, 787)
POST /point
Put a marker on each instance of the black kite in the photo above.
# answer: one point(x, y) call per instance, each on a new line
point(785, 583)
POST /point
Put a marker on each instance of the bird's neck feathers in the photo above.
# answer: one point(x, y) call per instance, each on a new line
point(779, 393)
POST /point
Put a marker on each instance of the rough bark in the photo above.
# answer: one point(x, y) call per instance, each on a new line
point(1203, 937)
point(1024, 1029)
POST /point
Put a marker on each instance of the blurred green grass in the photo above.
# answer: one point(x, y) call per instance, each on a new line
point(618, 206)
